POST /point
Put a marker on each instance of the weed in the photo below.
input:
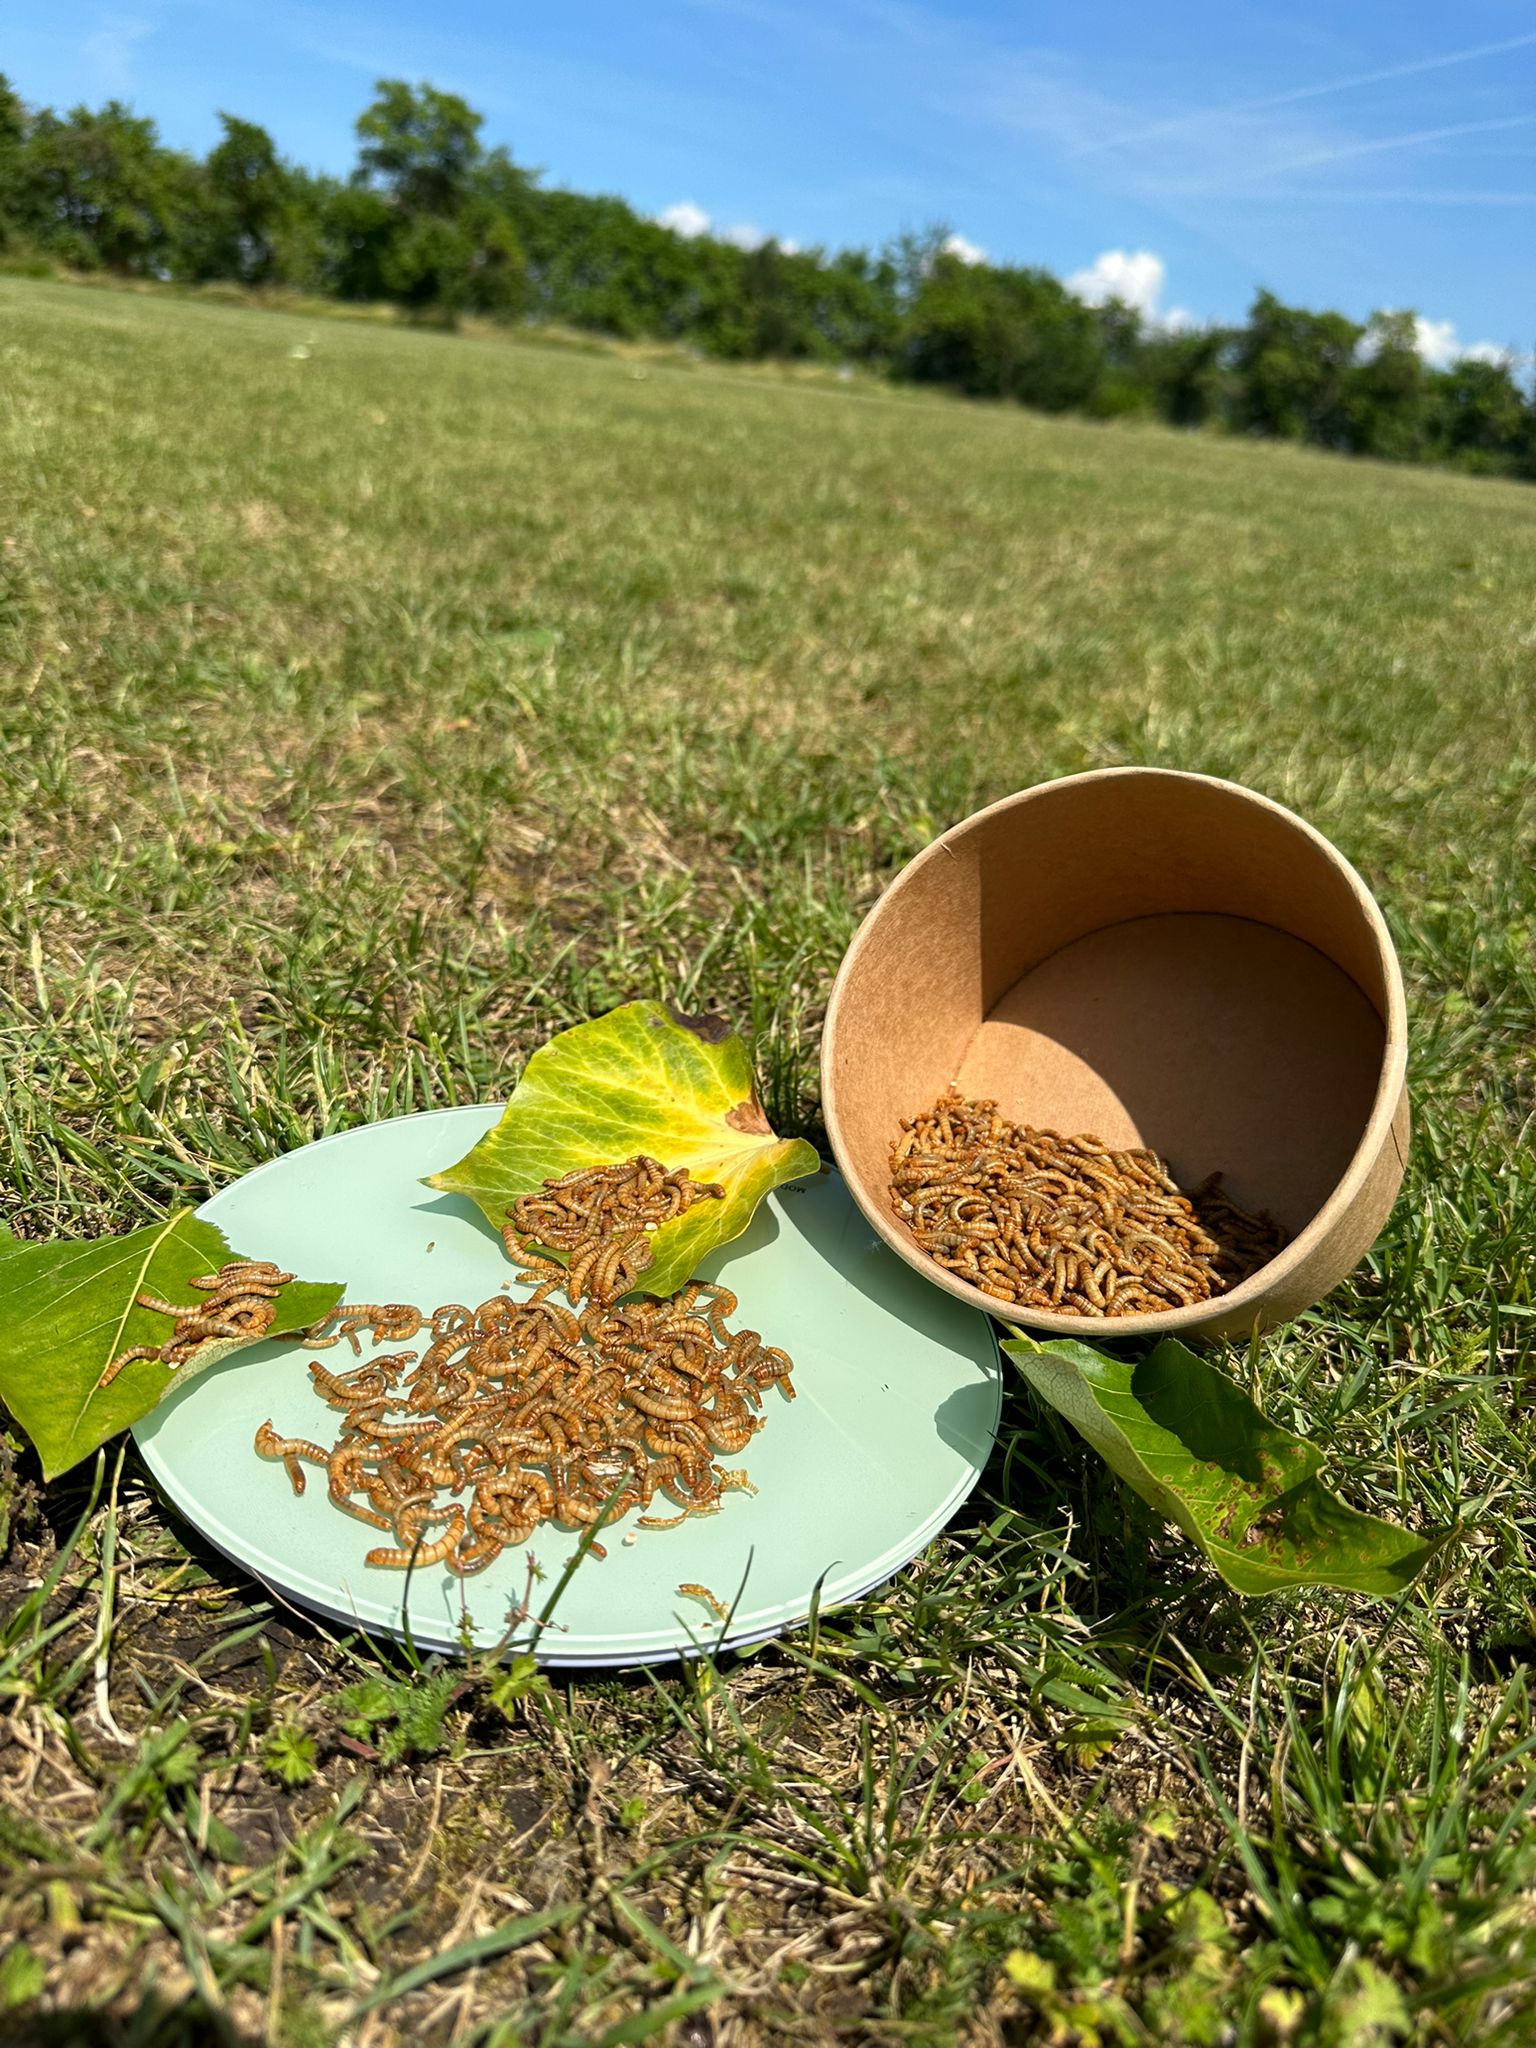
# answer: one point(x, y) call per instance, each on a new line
point(400, 1716)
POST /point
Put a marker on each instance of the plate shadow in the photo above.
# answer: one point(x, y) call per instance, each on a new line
point(825, 1215)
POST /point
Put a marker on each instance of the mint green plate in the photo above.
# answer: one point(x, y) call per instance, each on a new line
point(898, 1392)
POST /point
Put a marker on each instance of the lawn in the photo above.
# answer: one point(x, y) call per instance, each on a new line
point(374, 703)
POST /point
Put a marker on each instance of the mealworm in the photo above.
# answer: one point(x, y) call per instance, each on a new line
point(115, 1366)
point(1065, 1223)
point(425, 1553)
point(290, 1450)
point(247, 1272)
point(710, 1600)
point(240, 1307)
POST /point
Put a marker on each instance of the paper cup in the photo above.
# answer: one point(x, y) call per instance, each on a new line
point(1158, 959)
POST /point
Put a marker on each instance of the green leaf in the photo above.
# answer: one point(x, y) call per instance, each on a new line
point(22, 1976)
point(641, 1079)
point(67, 1309)
point(1245, 1490)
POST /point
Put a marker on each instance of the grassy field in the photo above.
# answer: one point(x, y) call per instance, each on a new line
point(373, 703)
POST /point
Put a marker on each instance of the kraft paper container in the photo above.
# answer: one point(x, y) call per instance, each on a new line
point(1159, 959)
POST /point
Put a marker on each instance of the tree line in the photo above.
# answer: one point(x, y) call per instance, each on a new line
point(438, 223)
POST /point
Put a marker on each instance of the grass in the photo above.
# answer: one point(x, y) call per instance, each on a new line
point(374, 703)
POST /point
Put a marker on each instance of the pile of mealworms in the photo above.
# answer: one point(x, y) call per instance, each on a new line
point(240, 1302)
point(602, 1217)
point(524, 1411)
point(1066, 1224)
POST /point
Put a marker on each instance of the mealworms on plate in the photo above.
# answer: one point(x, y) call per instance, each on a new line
point(519, 1412)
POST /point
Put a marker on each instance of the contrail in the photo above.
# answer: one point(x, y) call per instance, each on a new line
point(1395, 195)
point(1309, 92)
point(1351, 149)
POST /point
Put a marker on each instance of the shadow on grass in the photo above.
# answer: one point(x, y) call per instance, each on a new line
point(154, 2022)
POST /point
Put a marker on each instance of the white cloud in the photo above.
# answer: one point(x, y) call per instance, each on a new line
point(684, 219)
point(691, 221)
point(967, 251)
point(1133, 276)
point(1435, 340)
point(1439, 346)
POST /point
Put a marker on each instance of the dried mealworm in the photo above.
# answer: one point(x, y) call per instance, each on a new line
point(526, 1411)
point(716, 1605)
point(123, 1358)
point(1064, 1223)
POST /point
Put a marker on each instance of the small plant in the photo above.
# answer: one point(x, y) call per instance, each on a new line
point(22, 1976)
point(168, 1761)
point(400, 1716)
point(1191, 2004)
point(288, 1754)
point(513, 1682)
point(1088, 2019)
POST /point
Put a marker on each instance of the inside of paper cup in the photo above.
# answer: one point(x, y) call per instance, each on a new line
point(1155, 959)
point(1225, 1045)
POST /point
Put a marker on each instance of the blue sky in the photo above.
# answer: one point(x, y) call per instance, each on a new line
point(1357, 157)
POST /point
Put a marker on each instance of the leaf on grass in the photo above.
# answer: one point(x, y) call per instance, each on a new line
point(69, 1309)
point(1245, 1490)
point(641, 1079)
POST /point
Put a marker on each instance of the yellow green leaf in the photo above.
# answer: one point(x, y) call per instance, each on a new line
point(641, 1079)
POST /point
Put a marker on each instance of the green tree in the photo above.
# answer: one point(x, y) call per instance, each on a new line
point(1122, 336)
point(595, 262)
point(498, 263)
point(102, 191)
point(1003, 333)
point(910, 258)
point(356, 229)
point(1189, 375)
point(250, 194)
point(426, 223)
point(778, 308)
point(1479, 416)
point(1293, 372)
point(854, 310)
point(299, 256)
point(1123, 339)
point(13, 139)
point(425, 264)
point(419, 146)
point(1387, 404)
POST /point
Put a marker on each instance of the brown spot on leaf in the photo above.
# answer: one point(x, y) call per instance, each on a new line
point(1267, 1529)
point(748, 1117)
point(713, 1030)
